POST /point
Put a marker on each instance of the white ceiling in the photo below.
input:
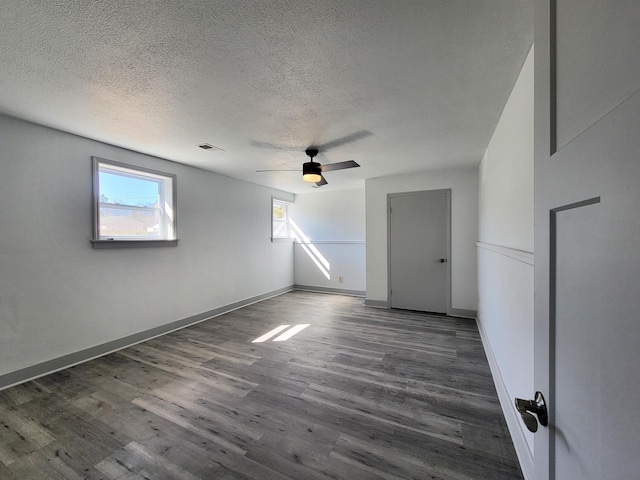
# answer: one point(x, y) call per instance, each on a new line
point(416, 84)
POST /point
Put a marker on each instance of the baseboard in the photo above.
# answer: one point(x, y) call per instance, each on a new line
point(376, 303)
point(45, 368)
point(459, 312)
point(511, 416)
point(339, 291)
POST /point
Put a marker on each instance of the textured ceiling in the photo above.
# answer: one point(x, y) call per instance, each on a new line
point(416, 84)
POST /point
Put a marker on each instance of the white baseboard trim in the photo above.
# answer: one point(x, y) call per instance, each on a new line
point(514, 423)
point(376, 303)
point(454, 312)
point(51, 366)
point(460, 312)
point(338, 291)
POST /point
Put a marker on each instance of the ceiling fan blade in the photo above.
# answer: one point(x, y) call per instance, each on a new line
point(339, 166)
point(321, 182)
point(275, 146)
point(346, 139)
point(297, 170)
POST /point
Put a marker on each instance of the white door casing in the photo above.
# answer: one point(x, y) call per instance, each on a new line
point(419, 251)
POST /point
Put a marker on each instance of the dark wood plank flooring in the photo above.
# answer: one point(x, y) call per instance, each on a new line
point(362, 393)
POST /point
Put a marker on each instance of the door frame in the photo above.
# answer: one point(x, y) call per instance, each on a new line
point(447, 200)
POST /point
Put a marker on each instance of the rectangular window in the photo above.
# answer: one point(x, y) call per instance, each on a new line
point(280, 219)
point(133, 204)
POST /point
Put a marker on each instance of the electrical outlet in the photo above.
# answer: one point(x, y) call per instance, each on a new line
point(340, 279)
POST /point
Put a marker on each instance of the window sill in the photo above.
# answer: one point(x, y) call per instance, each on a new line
point(100, 244)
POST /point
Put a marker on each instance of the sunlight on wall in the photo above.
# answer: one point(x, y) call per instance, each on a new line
point(314, 254)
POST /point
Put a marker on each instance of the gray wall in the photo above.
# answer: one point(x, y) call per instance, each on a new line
point(505, 257)
point(334, 222)
point(58, 295)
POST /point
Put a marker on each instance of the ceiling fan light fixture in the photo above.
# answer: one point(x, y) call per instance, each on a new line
point(311, 172)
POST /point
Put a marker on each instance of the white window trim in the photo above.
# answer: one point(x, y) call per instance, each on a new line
point(281, 239)
point(148, 174)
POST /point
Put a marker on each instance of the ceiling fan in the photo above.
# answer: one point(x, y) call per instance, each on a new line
point(312, 171)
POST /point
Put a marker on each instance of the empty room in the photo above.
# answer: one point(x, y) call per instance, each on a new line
point(305, 239)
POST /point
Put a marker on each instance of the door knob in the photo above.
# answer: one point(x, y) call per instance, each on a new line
point(442, 260)
point(527, 407)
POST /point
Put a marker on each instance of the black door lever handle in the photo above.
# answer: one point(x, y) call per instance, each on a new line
point(537, 406)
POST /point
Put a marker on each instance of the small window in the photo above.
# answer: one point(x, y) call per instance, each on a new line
point(133, 204)
point(280, 219)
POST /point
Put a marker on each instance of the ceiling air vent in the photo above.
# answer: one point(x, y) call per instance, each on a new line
point(208, 146)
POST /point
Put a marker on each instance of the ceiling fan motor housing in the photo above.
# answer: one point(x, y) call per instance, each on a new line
point(311, 172)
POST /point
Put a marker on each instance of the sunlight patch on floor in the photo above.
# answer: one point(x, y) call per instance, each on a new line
point(283, 337)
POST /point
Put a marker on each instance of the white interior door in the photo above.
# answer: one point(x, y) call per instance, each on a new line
point(418, 251)
point(587, 267)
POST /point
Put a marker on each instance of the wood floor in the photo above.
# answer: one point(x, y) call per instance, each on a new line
point(362, 393)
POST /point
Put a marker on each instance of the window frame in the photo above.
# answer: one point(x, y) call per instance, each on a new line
point(147, 174)
point(287, 204)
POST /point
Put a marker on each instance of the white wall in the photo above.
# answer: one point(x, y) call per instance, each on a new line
point(58, 295)
point(464, 228)
point(334, 222)
point(505, 256)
